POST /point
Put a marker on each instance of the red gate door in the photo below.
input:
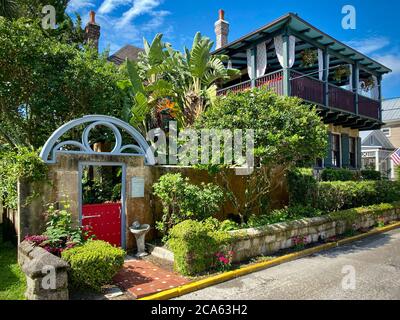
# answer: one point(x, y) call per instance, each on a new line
point(104, 221)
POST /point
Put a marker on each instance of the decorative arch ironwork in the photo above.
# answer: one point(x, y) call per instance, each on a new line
point(54, 144)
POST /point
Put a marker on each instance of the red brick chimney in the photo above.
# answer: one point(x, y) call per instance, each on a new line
point(221, 30)
point(92, 31)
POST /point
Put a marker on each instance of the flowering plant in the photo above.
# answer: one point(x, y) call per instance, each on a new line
point(224, 260)
point(299, 242)
point(60, 235)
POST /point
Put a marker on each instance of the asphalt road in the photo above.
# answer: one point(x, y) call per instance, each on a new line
point(366, 269)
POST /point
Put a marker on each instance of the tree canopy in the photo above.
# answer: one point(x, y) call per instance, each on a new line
point(45, 83)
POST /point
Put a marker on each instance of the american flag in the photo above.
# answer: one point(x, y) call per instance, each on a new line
point(396, 157)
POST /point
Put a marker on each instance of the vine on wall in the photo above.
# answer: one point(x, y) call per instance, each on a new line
point(22, 163)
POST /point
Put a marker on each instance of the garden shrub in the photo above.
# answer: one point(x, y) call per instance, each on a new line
point(350, 215)
point(229, 225)
point(195, 245)
point(93, 264)
point(283, 215)
point(182, 200)
point(302, 186)
point(339, 195)
point(371, 175)
point(338, 175)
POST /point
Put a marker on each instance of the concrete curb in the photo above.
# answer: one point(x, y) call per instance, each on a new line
point(201, 284)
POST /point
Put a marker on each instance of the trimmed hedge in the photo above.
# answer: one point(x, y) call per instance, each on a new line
point(195, 245)
point(339, 175)
point(93, 264)
point(304, 190)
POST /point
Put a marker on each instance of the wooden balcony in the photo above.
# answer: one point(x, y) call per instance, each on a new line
point(313, 90)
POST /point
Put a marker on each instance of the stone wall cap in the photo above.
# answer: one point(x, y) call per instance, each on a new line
point(40, 258)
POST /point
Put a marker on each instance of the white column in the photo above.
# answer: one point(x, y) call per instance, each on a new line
point(392, 173)
point(377, 160)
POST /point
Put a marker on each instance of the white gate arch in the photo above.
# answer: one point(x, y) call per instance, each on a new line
point(54, 145)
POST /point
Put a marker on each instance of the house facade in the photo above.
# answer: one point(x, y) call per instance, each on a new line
point(294, 58)
point(376, 153)
point(391, 118)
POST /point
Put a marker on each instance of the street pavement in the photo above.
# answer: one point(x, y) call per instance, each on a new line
point(366, 269)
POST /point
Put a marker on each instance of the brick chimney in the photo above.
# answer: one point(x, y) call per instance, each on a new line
point(221, 30)
point(92, 31)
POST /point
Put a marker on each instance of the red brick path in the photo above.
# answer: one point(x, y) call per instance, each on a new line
point(142, 278)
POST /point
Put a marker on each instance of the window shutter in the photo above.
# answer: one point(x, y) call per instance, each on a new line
point(345, 151)
point(358, 155)
point(328, 159)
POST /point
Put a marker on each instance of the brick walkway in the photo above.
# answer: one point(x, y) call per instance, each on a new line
point(142, 278)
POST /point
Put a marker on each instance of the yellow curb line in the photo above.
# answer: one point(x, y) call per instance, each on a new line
point(201, 284)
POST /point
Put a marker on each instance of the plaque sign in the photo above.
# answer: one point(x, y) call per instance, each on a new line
point(137, 187)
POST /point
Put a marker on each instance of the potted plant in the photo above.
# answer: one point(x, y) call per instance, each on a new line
point(309, 57)
point(341, 73)
point(368, 84)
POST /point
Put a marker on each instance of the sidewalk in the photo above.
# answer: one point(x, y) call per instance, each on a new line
point(142, 278)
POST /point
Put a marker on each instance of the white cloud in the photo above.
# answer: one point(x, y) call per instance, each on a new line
point(157, 20)
point(109, 6)
point(75, 5)
point(390, 60)
point(369, 45)
point(139, 8)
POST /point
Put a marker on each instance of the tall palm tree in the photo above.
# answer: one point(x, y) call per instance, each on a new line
point(8, 8)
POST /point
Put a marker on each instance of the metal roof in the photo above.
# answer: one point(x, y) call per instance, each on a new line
point(302, 28)
point(377, 139)
point(391, 110)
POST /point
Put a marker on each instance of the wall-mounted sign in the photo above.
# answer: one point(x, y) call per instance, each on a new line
point(137, 187)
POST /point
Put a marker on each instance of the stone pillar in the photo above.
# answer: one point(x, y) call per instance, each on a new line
point(221, 30)
point(46, 274)
point(92, 31)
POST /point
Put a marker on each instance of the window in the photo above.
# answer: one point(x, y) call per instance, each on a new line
point(387, 132)
point(353, 152)
point(336, 150)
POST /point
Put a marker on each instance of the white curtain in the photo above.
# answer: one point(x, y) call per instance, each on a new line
point(321, 64)
point(375, 89)
point(261, 59)
point(350, 86)
point(249, 70)
point(278, 42)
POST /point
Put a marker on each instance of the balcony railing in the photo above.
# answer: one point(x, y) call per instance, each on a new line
point(342, 99)
point(312, 90)
point(307, 88)
point(368, 107)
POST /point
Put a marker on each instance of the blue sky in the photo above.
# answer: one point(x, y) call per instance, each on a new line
point(127, 21)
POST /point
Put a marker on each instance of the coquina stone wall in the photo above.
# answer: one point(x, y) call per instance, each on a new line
point(250, 243)
point(46, 274)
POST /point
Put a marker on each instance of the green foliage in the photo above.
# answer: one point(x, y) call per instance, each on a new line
point(182, 200)
point(339, 175)
point(371, 175)
point(286, 130)
point(302, 186)
point(12, 279)
point(22, 163)
point(283, 215)
point(195, 245)
point(350, 215)
point(188, 80)
point(8, 8)
point(94, 264)
point(229, 225)
point(45, 83)
point(61, 231)
point(338, 195)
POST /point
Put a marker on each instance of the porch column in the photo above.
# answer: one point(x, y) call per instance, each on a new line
point(379, 78)
point(356, 81)
point(325, 77)
point(286, 70)
point(253, 63)
point(377, 167)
